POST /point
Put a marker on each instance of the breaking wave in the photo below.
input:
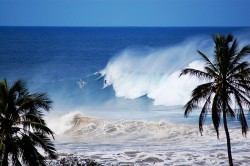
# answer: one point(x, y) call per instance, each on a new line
point(132, 142)
point(87, 129)
point(155, 73)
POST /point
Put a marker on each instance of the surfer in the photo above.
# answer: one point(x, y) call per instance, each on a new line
point(81, 83)
point(105, 85)
point(99, 73)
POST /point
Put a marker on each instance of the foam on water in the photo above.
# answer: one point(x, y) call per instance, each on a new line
point(150, 142)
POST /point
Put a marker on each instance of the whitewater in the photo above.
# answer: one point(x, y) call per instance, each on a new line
point(130, 109)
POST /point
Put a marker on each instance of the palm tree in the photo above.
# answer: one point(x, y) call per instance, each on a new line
point(22, 126)
point(228, 77)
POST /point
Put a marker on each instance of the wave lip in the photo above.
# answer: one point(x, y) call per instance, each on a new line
point(155, 74)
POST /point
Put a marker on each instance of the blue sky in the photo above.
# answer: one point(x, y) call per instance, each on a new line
point(125, 12)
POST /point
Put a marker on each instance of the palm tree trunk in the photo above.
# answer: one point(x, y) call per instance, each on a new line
point(230, 159)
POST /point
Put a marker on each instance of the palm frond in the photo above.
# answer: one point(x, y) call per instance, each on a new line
point(34, 101)
point(204, 113)
point(216, 110)
point(30, 155)
point(18, 87)
point(191, 104)
point(43, 141)
point(240, 88)
point(196, 73)
point(233, 50)
point(37, 127)
point(33, 114)
point(238, 77)
point(230, 111)
point(241, 115)
point(242, 54)
point(234, 47)
point(229, 38)
point(241, 67)
point(41, 101)
point(200, 93)
point(242, 119)
point(240, 99)
point(211, 72)
point(207, 61)
point(243, 88)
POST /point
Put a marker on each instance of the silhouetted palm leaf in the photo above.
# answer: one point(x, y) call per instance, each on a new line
point(22, 126)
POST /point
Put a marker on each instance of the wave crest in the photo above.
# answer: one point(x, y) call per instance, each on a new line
point(155, 73)
point(88, 129)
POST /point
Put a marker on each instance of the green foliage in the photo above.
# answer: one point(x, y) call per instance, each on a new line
point(22, 126)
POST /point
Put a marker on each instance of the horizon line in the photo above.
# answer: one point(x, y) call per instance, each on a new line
point(63, 26)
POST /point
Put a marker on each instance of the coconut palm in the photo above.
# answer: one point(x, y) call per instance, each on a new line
point(228, 84)
point(22, 127)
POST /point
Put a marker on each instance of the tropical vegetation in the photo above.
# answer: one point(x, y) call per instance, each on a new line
point(227, 86)
point(25, 136)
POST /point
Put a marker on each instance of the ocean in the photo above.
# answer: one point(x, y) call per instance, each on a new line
point(116, 91)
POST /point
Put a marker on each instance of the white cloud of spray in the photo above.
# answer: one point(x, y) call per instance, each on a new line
point(156, 73)
point(175, 90)
point(60, 123)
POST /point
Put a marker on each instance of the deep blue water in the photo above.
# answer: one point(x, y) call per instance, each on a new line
point(65, 52)
point(53, 59)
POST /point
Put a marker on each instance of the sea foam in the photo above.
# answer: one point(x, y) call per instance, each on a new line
point(132, 142)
